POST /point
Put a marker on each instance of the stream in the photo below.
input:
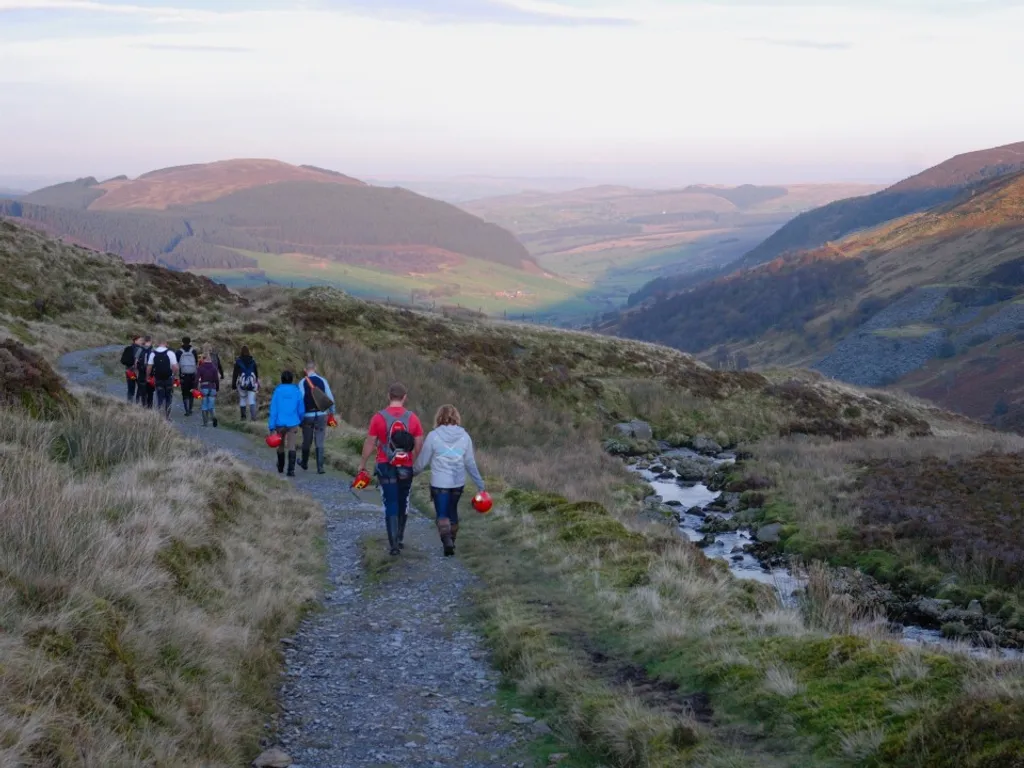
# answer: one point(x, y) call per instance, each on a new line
point(729, 546)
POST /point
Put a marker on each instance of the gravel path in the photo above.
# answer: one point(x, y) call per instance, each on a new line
point(385, 674)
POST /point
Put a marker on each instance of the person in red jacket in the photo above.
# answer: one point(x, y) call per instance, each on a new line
point(396, 435)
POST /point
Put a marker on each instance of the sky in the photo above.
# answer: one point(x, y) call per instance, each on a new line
point(655, 91)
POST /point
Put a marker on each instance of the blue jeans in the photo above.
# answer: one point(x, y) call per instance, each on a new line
point(209, 398)
point(446, 503)
point(393, 491)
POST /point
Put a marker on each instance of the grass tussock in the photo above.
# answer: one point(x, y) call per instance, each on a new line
point(143, 588)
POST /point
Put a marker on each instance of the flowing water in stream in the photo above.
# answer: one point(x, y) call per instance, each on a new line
point(729, 547)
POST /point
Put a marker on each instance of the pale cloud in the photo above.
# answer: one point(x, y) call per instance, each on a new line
point(722, 89)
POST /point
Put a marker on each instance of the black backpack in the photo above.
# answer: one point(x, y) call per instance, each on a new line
point(162, 366)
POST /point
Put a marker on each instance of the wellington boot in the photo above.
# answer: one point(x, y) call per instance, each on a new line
point(403, 517)
point(444, 530)
point(241, 411)
point(215, 422)
point(291, 463)
point(391, 522)
point(455, 532)
point(252, 412)
point(304, 461)
point(320, 461)
point(280, 462)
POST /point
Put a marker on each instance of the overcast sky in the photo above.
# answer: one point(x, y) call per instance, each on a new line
point(725, 91)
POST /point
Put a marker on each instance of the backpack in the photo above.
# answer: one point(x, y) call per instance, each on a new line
point(128, 356)
point(399, 446)
point(162, 365)
point(187, 361)
point(247, 379)
point(320, 399)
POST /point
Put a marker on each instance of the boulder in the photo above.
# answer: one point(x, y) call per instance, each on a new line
point(769, 534)
point(272, 758)
point(708, 541)
point(673, 503)
point(931, 607)
point(696, 511)
point(705, 445)
point(691, 469)
point(637, 430)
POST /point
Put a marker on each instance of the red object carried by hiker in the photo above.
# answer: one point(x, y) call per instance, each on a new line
point(274, 440)
point(482, 502)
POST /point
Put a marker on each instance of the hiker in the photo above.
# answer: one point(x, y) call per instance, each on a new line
point(397, 437)
point(246, 379)
point(448, 451)
point(318, 400)
point(188, 366)
point(162, 367)
point(130, 360)
point(286, 412)
point(209, 385)
point(145, 390)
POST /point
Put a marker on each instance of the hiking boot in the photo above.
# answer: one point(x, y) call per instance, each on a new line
point(391, 523)
point(291, 463)
point(320, 461)
point(214, 422)
point(241, 410)
point(455, 532)
point(304, 461)
point(280, 463)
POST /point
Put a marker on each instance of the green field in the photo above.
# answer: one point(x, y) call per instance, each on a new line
point(474, 284)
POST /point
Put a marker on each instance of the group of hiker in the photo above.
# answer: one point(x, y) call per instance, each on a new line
point(395, 439)
point(153, 371)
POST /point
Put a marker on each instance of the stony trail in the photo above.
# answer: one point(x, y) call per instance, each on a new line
point(385, 674)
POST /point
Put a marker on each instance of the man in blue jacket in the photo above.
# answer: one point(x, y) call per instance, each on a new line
point(286, 411)
point(318, 401)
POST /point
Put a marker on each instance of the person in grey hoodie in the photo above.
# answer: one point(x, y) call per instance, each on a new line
point(448, 451)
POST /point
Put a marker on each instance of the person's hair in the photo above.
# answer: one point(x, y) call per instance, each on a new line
point(396, 392)
point(310, 366)
point(186, 340)
point(287, 377)
point(207, 355)
point(447, 415)
point(148, 339)
point(244, 351)
point(136, 338)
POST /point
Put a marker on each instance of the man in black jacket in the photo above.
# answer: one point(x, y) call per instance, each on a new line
point(130, 360)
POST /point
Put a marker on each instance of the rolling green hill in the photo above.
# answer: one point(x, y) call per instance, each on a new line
point(246, 220)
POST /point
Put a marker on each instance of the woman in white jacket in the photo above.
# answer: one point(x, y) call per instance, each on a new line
point(448, 450)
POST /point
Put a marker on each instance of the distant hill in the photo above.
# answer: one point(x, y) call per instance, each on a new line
point(934, 186)
point(933, 301)
point(208, 215)
point(616, 238)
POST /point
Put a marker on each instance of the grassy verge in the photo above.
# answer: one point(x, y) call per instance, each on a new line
point(143, 589)
point(645, 653)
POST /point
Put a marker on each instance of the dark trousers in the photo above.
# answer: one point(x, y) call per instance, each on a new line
point(313, 429)
point(145, 394)
point(393, 491)
point(188, 383)
point(165, 395)
point(133, 386)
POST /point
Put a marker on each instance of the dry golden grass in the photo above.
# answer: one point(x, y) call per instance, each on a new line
point(143, 588)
